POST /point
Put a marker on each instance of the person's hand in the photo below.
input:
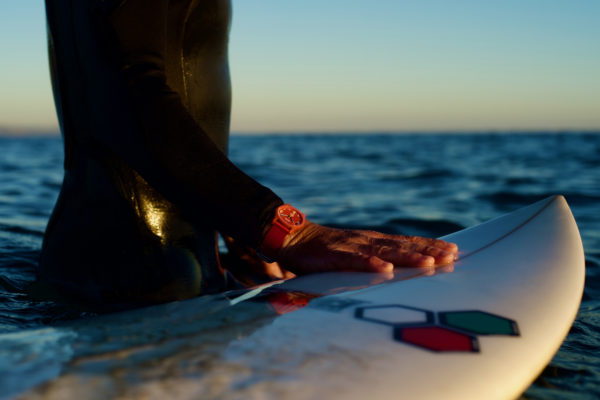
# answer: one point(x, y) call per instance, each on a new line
point(248, 267)
point(316, 248)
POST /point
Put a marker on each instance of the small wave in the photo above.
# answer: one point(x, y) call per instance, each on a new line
point(22, 259)
point(521, 181)
point(20, 230)
point(358, 154)
point(6, 167)
point(8, 286)
point(581, 199)
point(11, 192)
point(592, 260)
point(431, 175)
point(504, 198)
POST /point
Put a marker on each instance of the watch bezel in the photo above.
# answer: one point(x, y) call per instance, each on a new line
point(290, 221)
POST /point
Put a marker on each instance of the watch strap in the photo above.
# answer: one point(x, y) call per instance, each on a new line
point(274, 239)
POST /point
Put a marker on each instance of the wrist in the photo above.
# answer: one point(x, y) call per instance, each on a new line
point(286, 221)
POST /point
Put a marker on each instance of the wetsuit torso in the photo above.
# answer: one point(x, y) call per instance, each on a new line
point(143, 105)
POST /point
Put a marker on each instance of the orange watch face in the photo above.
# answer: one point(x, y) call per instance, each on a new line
point(290, 216)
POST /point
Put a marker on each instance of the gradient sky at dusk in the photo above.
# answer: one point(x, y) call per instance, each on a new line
point(363, 65)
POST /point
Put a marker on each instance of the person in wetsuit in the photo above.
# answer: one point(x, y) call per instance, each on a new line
point(143, 96)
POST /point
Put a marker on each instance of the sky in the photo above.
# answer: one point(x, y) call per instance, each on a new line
point(366, 65)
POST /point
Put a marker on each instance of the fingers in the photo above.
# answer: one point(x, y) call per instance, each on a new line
point(405, 253)
point(355, 261)
point(400, 257)
point(441, 244)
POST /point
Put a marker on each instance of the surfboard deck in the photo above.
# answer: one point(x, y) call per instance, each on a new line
point(483, 328)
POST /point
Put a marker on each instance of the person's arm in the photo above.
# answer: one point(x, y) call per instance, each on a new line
point(201, 180)
point(177, 155)
point(221, 186)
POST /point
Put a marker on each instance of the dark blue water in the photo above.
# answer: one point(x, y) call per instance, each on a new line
point(414, 184)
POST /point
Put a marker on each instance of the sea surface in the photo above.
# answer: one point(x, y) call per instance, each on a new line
point(422, 184)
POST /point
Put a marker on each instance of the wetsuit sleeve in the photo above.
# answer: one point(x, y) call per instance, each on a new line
point(176, 155)
point(190, 169)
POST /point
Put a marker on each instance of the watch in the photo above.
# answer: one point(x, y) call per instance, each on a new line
point(287, 220)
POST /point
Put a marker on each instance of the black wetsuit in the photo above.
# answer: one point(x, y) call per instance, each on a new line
point(147, 182)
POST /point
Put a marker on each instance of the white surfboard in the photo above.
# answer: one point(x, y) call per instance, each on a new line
point(484, 328)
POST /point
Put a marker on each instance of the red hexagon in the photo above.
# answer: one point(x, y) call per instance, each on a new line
point(436, 338)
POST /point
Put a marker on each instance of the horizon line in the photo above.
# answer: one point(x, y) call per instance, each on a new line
point(6, 132)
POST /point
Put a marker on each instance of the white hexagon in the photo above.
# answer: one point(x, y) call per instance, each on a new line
point(394, 315)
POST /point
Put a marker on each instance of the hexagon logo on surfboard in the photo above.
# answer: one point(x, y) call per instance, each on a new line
point(442, 331)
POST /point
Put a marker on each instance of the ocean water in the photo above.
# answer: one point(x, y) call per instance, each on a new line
point(426, 185)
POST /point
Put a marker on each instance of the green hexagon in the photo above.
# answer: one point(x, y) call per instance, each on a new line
point(479, 322)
